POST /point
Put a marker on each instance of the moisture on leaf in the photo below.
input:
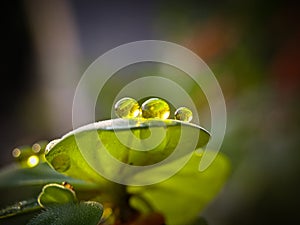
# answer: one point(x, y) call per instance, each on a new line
point(127, 108)
point(155, 108)
point(184, 114)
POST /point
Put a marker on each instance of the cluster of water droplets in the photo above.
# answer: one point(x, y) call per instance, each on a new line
point(152, 108)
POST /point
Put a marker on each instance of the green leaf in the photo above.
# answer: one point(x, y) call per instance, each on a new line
point(31, 181)
point(121, 138)
point(16, 176)
point(83, 213)
point(56, 194)
point(20, 207)
point(181, 198)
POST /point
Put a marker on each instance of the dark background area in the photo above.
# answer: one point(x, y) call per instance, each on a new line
point(251, 46)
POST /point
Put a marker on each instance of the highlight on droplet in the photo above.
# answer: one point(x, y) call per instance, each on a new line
point(183, 114)
point(127, 108)
point(155, 108)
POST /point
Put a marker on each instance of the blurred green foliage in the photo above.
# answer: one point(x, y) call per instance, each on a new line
point(193, 189)
point(253, 49)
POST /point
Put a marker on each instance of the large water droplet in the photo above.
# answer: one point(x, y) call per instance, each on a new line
point(155, 108)
point(127, 108)
point(61, 162)
point(183, 114)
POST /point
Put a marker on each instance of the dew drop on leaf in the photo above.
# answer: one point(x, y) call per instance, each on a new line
point(183, 114)
point(155, 108)
point(127, 108)
point(61, 162)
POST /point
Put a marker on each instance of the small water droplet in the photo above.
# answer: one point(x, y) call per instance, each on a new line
point(183, 114)
point(155, 108)
point(127, 108)
point(61, 162)
point(51, 144)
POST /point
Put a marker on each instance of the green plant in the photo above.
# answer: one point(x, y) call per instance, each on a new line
point(63, 184)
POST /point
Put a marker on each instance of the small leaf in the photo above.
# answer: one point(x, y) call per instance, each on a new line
point(56, 194)
point(31, 181)
point(83, 213)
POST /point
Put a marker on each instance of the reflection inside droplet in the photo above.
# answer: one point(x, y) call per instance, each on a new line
point(127, 108)
point(61, 162)
point(183, 114)
point(155, 108)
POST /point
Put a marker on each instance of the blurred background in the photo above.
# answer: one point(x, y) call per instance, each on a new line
point(251, 46)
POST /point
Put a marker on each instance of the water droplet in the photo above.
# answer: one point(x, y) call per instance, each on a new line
point(127, 108)
point(51, 144)
point(183, 114)
point(155, 108)
point(61, 162)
